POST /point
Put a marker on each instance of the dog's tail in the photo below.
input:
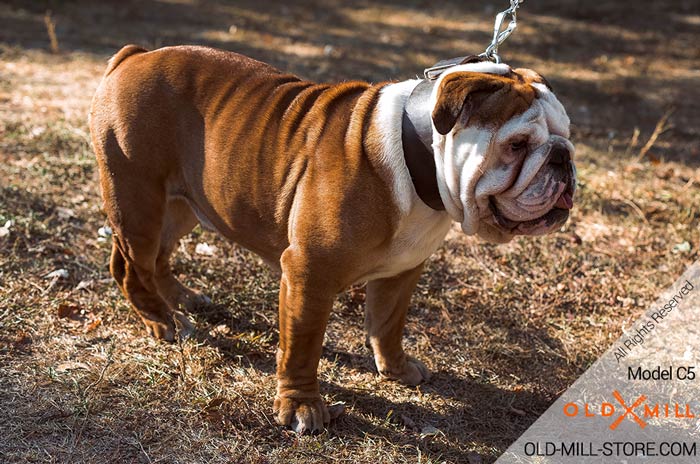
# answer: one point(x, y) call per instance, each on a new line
point(121, 55)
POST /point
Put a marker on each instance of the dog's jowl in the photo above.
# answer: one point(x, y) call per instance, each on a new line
point(334, 183)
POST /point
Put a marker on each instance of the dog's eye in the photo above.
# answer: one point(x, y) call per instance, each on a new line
point(518, 145)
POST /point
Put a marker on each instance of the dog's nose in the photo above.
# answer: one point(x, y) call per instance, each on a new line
point(560, 154)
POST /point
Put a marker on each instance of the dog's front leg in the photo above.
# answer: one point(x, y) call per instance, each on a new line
point(385, 317)
point(304, 307)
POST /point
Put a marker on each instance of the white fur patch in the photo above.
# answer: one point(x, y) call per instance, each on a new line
point(530, 123)
point(459, 171)
point(557, 119)
point(388, 117)
point(419, 234)
point(421, 229)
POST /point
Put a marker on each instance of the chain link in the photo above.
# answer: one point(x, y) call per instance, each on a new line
point(491, 53)
point(499, 36)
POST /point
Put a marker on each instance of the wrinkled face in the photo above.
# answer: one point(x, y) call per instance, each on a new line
point(504, 161)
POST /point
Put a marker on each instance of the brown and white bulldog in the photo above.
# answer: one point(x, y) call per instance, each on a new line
point(332, 184)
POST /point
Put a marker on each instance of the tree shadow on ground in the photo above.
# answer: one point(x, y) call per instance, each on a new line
point(334, 41)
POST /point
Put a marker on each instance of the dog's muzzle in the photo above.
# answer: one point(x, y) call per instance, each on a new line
point(540, 199)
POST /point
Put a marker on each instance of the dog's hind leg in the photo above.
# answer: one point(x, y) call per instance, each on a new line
point(137, 245)
point(385, 318)
point(179, 220)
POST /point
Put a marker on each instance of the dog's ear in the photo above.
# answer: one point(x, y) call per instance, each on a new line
point(462, 91)
point(532, 76)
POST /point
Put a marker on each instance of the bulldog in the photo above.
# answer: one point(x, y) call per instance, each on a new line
point(332, 184)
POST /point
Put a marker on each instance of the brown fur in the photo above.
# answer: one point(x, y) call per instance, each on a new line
point(121, 55)
point(486, 99)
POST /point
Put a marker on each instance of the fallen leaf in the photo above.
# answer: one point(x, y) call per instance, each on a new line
point(429, 431)
point(335, 410)
point(65, 213)
point(5, 230)
point(408, 422)
point(78, 199)
point(71, 365)
point(575, 238)
point(84, 284)
point(37, 131)
point(219, 330)
point(215, 403)
point(683, 247)
point(57, 274)
point(95, 323)
point(68, 311)
point(205, 249)
point(22, 338)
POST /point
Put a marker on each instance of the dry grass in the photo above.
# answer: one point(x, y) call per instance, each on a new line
point(504, 329)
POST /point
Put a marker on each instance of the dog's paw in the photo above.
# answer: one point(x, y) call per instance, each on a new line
point(193, 300)
point(412, 373)
point(183, 325)
point(305, 416)
point(160, 330)
point(179, 325)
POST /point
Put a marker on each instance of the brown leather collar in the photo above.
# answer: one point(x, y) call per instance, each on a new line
point(417, 141)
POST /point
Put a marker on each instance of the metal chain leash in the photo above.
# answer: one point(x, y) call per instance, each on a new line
point(491, 53)
point(499, 36)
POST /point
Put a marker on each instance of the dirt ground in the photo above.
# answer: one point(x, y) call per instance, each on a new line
point(504, 329)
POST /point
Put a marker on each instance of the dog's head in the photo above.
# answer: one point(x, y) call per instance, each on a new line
point(503, 156)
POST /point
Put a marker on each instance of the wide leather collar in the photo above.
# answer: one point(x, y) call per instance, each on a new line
point(417, 141)
point(417, 133)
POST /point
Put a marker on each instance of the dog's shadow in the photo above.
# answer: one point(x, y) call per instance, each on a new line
point(459, 410)
point(224, 330)
point(482, 417)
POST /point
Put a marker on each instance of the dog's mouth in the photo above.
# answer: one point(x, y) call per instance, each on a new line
point(543, 224)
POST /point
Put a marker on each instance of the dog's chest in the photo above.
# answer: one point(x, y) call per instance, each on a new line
point(420, 233)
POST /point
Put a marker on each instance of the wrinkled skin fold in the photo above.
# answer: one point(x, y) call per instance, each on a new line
point(514, 178)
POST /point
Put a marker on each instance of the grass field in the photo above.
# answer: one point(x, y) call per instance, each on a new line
point(504, 329)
